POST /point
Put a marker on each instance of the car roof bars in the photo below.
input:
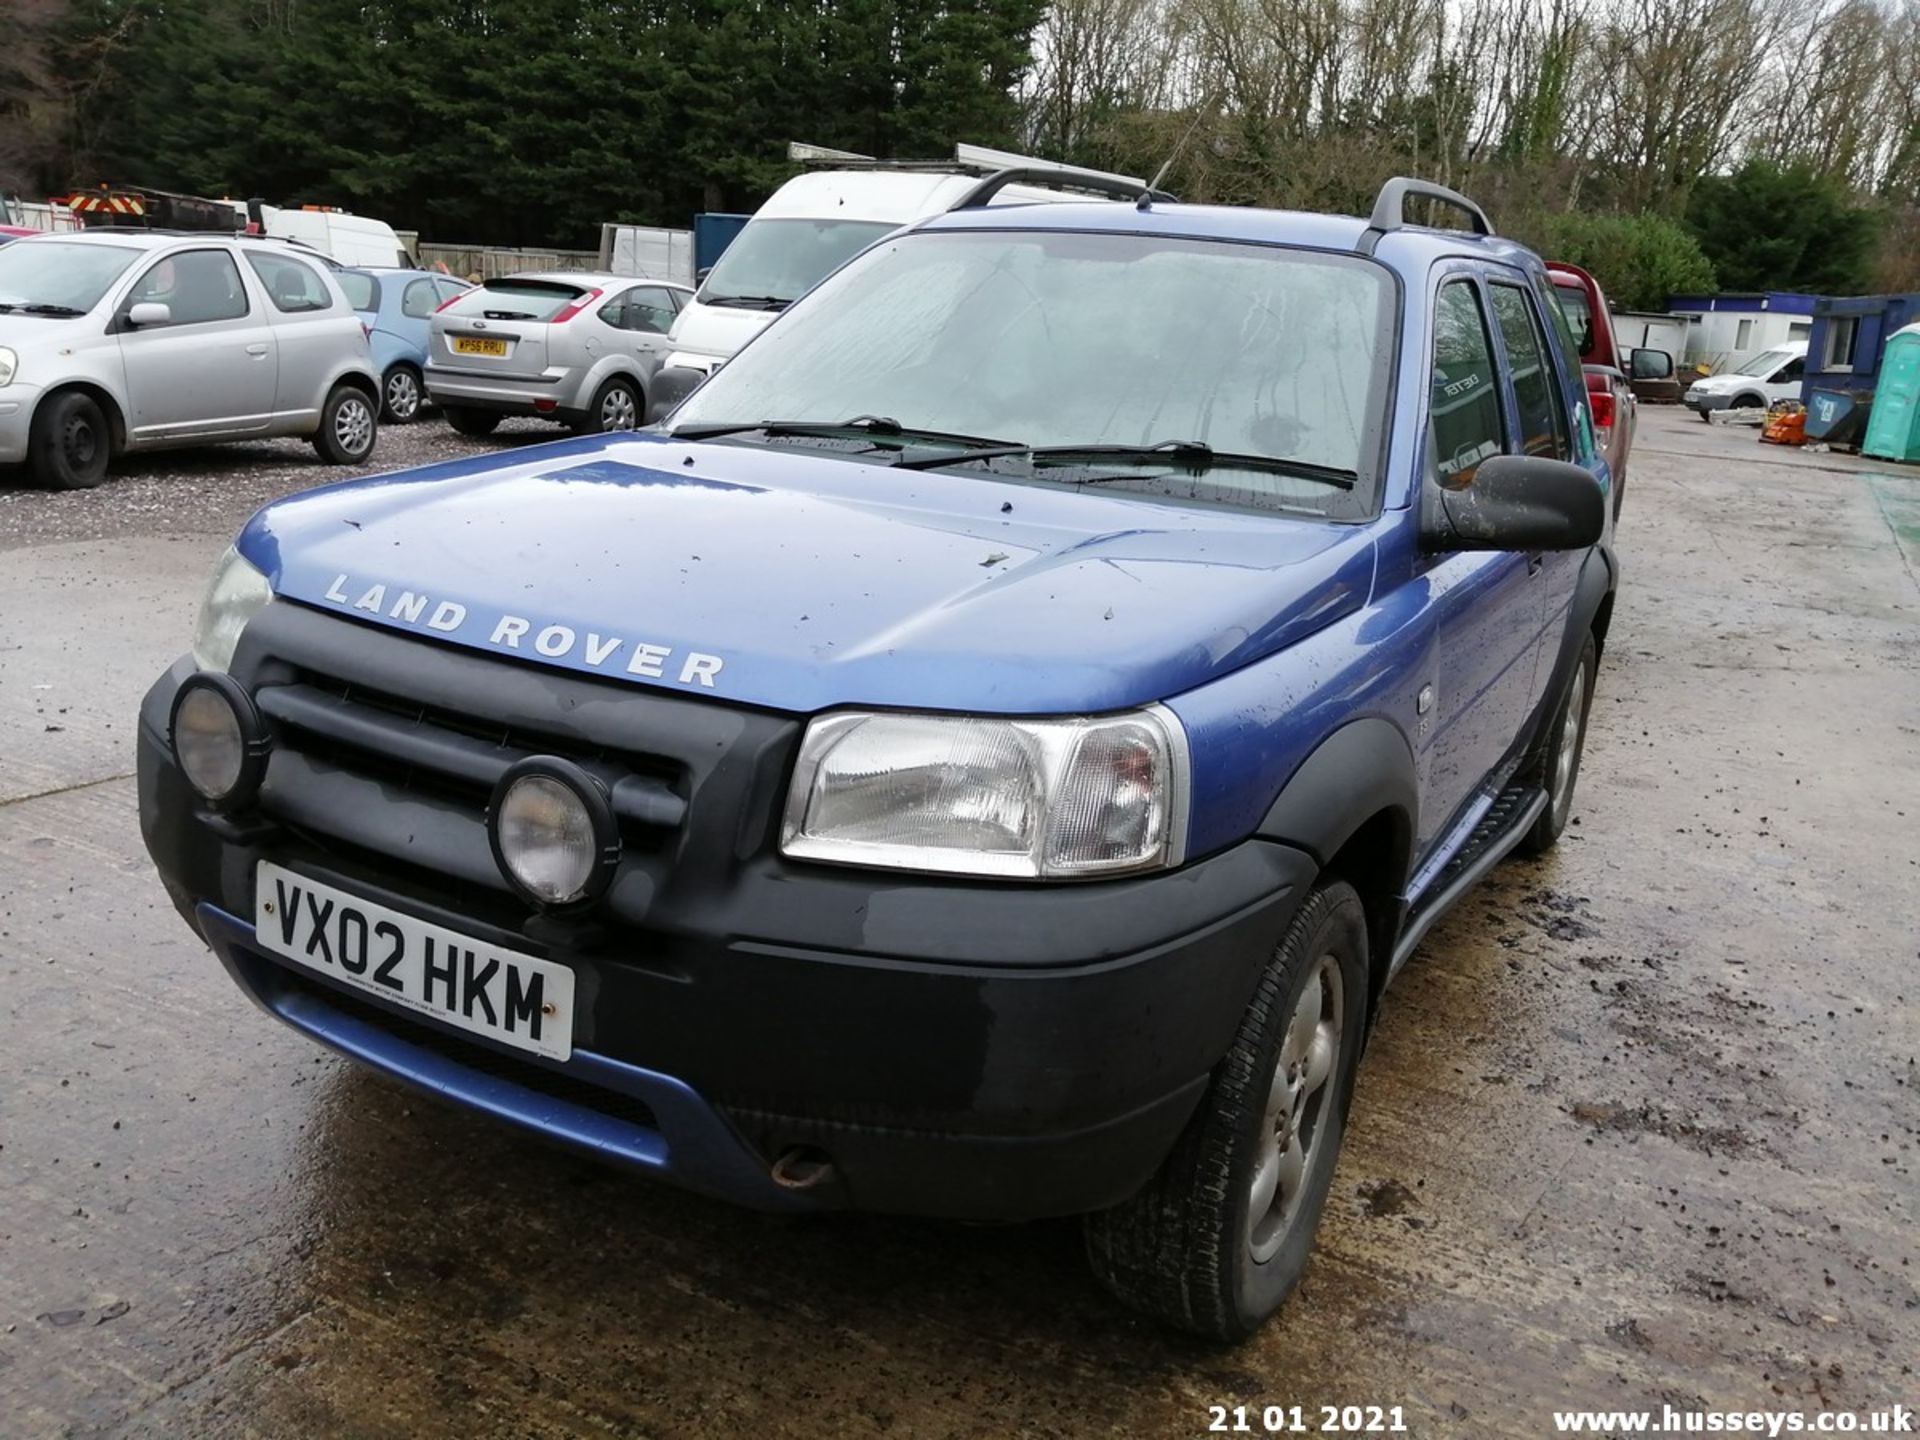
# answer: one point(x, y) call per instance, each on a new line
point(1390, 210)
point(1114, 186)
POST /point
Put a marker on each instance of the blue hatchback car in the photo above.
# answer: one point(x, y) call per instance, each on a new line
point(395, 306)
point(985, 756)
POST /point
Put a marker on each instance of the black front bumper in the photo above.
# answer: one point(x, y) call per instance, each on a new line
point(967, 1050)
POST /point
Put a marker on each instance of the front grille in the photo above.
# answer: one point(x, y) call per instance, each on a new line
point(387, 748)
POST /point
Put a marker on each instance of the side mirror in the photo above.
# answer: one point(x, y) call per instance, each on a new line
point(671, 385)
point(150, 312)
point(1517, 502)
point(1649, 365)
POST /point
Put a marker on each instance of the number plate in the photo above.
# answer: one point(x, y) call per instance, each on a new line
point(453, 978)
point(474, 345)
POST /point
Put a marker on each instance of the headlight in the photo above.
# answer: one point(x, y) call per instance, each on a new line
point(965, 795)
point(9, 365)
point(218, 740)
point(235, 595)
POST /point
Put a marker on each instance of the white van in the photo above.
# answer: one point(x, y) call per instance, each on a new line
point(1775, 374)
point(348, 238)
point(816, 222)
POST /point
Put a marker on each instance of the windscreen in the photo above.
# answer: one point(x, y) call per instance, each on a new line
point(772, 263)
point(516, 300)
point(1765, 363)
point(59, 275)
point(1067, 339)
point(1573, 305)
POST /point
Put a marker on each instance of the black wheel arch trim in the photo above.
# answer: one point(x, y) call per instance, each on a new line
point(1361, 770)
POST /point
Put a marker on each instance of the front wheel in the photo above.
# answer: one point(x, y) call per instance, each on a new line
point(1559, 763)
point(400, 395)
point(348, 426)
point(1219, 1237)
point(68, 444)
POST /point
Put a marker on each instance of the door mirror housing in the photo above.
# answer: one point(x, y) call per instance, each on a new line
point(1516, 502)
point(671, 385)
point(150, 312)
point(1650, 365)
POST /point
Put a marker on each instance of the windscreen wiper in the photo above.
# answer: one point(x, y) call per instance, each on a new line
point(25, 308)
point(749, 302)
point(879, 426)
point(1194, 455)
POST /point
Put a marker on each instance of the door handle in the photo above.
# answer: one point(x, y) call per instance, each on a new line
point(256, 350)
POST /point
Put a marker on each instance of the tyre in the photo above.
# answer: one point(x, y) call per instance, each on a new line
point(1219, 1237)
point(1557, 770)
point(616, 406)
point(469, 421)
point(401, 395)
point(70, 443)
point(349, 426)
point(1747, 402)
point(1707, 416)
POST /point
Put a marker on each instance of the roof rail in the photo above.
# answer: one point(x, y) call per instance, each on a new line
point(1390, 209)
point(1114, 186)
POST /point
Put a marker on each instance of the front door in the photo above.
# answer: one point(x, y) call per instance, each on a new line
point(1486, 606)
point(210, 368)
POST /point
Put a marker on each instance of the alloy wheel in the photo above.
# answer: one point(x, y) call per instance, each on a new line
point(1297, 1106)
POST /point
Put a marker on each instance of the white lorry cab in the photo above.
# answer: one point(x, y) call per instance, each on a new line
point(348, 238)
point(818, 221)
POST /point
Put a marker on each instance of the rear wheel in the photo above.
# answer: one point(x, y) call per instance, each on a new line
point(616, 406)
point(400, 395)
point(1219, 1238)
point(349, 425)
point(69, 444)
point(1558, 767)
point(469, 421)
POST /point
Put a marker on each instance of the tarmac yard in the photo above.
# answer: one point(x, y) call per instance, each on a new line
point(1637, 1128)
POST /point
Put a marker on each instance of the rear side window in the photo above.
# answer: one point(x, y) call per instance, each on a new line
point(1466, 398)
point(291, 285)
point(647, 308)
point(363, 290)
point(420, 299)
point(1536, 388)
point(517, 300)
point(199, 286)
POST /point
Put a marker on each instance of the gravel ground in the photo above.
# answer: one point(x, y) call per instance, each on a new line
point(189, 492)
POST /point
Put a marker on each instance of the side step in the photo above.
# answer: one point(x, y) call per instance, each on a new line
point(1503, 826)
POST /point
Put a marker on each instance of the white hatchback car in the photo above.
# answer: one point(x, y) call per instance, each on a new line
point(580, 349)
point(118, 340)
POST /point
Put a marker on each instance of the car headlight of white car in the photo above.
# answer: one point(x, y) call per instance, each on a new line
point(1074, 798)
point(9, 365)
point(236, 593)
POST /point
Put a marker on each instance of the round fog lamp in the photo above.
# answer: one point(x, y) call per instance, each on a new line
point(553, 832)
point(218, 740)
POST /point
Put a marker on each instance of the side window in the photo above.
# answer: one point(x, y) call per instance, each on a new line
point(419, 300)
point(450, 289)
point(1795, 369)
point(1536, 388)
point(198, 286)
point(291, 284)
point(1466, 397)
point(1560, 332)
point(651, 309)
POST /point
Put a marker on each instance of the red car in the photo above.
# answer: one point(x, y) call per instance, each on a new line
point(1609, 392)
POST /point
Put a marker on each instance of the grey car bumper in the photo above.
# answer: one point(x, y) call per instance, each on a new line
point(550, 394)
point(1705, 403)
point(16, 421)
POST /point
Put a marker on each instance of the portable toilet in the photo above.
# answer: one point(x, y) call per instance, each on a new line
point(1893, 431)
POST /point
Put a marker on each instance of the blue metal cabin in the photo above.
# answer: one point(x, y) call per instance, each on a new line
point(1849, 339)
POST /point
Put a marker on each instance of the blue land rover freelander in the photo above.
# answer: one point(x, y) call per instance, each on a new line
point(983, 755)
